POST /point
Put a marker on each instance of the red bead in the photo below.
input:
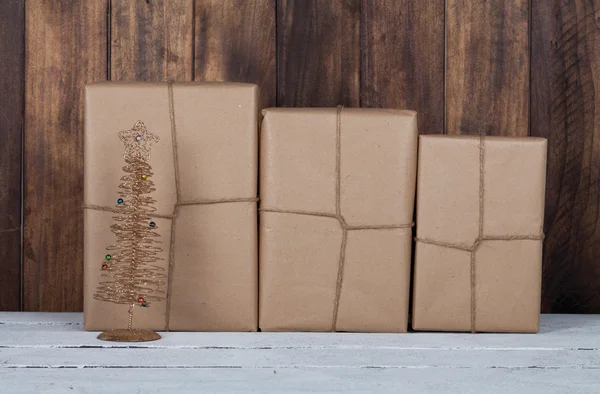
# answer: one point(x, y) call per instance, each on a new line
point(104, 266)
point(141, 299)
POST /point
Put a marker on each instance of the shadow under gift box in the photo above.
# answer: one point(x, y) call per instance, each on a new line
point(213, 272)
point(478, 255)
point(337, 196)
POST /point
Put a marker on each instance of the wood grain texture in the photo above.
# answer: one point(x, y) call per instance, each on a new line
point(566, 109)
point(318, 46)
point(12, 48)
point(55, 356)
point(235, 41)
point(64, 330)
point(301, 380)
point(487, 85)
point(403, 49)
point(65, 48)
point(151, 40)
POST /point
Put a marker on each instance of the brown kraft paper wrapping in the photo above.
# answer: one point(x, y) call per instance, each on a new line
point(480, 209)
point(205, 174)
point(337, 195)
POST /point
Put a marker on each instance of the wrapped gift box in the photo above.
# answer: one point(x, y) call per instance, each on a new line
point(480, 209)
point(205, 174)
point(337, 194)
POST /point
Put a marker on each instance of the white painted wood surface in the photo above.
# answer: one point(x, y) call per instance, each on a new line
point(50, 353)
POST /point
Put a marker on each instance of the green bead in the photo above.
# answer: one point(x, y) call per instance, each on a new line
point(107, 257)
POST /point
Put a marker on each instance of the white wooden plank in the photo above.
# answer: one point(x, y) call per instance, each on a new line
point(300, 380)
point(293, 358)
point(50, 353)
point(558, 332)
point(41, 318)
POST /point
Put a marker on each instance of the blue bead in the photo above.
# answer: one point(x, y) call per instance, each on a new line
point(152, 224)
point(120, 201)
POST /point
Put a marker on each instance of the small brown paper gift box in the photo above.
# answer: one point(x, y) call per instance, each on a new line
point(205, 175)
point(337, 195)
point(480, 209)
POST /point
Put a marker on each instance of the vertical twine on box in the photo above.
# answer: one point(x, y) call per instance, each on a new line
point(178, 203)
point(170, 268)
point(340, 219)
point(480, 238)
point(338, 213)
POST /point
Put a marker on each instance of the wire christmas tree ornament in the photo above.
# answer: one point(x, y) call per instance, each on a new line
point(130, 273)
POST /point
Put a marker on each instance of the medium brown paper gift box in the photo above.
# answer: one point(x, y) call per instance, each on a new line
point(337, 195)
point(480, 209)
point(206, 198)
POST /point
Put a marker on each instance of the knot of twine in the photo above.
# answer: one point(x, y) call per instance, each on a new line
point(340, 218)
point(178, 203)
point(480, 238)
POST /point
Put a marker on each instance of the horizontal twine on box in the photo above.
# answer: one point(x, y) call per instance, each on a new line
point(178, 203)
point(480, 238)
point(340, 218)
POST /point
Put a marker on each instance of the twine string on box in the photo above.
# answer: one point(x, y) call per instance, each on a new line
point(340, 218)
point(178, 203)
point(480, 238)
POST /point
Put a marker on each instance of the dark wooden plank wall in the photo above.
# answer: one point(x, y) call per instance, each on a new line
point(503, 67)
point(402, 64)
point(12, 46)
point(235, 41)
point(487, 75)
point(151, 40)
point(566, 110)
point(318, 62)
point(65, 48)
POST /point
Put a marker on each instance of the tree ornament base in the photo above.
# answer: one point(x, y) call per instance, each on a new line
point(131, 335)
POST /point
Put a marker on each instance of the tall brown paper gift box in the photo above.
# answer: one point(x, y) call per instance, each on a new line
point(205, 174)
point(337, 194)
point(480, 209)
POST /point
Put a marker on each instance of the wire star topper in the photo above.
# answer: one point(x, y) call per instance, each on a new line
point(138, 142)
